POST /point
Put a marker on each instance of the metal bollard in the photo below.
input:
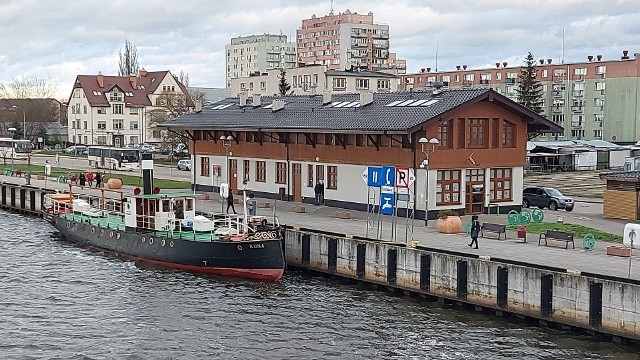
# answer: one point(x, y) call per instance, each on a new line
point(27, 177)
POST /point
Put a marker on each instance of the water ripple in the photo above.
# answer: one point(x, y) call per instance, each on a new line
point(63, 302)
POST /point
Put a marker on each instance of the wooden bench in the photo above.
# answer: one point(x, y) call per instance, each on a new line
point(559, 236)
point(494, 228)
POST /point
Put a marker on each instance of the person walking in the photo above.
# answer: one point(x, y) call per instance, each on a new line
point(230, 202)
point(321, 202)
point(57, 159)
point(90, 179)
point(475, 231)
point(98, 179)
point(82, 179)
point(317, 190)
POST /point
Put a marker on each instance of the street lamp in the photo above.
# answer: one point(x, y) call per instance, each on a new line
point(425, 165)
point(226, 143)
point(12, 130)
point(24, 121)
point(110, 150)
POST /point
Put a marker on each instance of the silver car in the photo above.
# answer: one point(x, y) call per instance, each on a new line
point(184, 164)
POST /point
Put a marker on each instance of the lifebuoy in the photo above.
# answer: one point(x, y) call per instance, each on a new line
point(171, 243)
point(68, 225)
point(118, 236)
point(93, 230)
point(162, 242)
point(273, 235)
point(101, 232)
point(150, 241)
point(143, 239)
point(240, 247)
point(111, 234)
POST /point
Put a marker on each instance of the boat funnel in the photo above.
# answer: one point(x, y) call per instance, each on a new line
point(147, 173)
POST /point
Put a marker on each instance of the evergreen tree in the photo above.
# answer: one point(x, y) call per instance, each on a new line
point(283, 85)
point(529, 89)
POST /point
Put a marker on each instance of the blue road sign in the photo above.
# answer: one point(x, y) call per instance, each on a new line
point(374, 176)
point(387, 201)
point(389, 176)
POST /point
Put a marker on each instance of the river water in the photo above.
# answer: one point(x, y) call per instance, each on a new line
point(58, 301)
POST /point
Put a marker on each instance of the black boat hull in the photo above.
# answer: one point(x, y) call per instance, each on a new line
point(254, 259)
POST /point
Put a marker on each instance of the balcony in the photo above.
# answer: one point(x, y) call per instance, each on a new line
point(577, 108)
point(577, 93)
point(558, 78)
point(557, 109)
point(557, 93)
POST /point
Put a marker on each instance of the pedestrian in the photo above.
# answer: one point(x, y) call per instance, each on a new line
point(82, 179)
point(317, 190)
point(57, 159)
point(475, 231)
point(77, 178)
point(321, 192)
point(98, 179)
point(230, 201)
point(90, 179)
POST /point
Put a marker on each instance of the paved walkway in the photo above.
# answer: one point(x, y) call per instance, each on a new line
point(323, 218)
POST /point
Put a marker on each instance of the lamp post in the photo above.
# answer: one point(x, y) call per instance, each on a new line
point(24, 121)
point(12, 130)
point(110, 146)
point(425, 165)
point(226, 143)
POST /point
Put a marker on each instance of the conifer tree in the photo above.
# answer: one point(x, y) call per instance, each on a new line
point(529, 89)
point(283, 85)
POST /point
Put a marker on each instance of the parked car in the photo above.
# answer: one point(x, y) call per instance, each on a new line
point(76, 149)
point(546, 197)
point(147, 148)
point(184, 164)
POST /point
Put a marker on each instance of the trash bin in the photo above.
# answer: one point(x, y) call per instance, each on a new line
point(522, 232)
point(253, 207)
point(282, 191)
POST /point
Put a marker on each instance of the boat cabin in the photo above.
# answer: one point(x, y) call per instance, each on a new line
point(159, 211)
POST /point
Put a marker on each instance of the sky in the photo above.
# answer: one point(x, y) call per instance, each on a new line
point(58, 40)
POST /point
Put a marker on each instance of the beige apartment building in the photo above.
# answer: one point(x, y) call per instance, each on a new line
point(316, 79)
point(343, 41)
point(258, 53)
point(591, 99)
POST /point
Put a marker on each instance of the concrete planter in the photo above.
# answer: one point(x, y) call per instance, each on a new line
point(449, 225)
point(618, 251)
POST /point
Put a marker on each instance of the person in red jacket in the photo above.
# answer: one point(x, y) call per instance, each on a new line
point(89, 179)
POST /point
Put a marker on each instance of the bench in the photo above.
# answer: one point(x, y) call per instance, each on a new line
point(559, 236)
point(495, 228)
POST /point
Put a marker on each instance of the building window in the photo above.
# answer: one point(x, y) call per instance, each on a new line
point(133, 111)
point(85, 125)
point(319, 173)
point(245, 171)
point(332, 174)
point(508, 135)
point(362, 83)
point(310, 176)
point(261, 171)
point(597, 134)
point(204, 166)
point(102, 110)
point(102, 140)
point(133, 125)
point(102, 125)
point(445, 129)
point(500, 189)
point(118, 124)
point(281, 173)
point(384, 84)
point(339, 83)
point(477, 133)
point(156, 134)
point(448, 187)
point(133, 140)
point(117, 108)
point(85, 109)
point(116, 96)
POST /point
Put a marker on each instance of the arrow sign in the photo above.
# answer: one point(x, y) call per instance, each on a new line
point(372, 176)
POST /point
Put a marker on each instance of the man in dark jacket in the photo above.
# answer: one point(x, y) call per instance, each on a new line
point(475, 231)
point(318, 192)
point(230, 202)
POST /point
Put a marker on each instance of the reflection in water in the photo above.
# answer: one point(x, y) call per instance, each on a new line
point(62, 302)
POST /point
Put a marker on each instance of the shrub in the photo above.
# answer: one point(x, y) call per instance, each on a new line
point(443, 214)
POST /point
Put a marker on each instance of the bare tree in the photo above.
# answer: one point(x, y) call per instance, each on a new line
point(198, 96)
point(183, 77)
point(128, 60)
point(32, 87)
point(170, 105)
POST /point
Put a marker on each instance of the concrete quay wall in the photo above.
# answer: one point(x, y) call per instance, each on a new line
point(553, 295)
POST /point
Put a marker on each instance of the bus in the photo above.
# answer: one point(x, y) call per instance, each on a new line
point(106, 157)
point(15, 149)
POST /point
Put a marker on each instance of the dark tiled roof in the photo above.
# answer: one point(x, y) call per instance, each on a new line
point(308, 112)
point(622, 176)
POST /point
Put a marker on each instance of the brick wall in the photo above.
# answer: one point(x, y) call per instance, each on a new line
point(620, 205)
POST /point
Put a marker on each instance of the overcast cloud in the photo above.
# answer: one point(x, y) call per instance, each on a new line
point(62, 39)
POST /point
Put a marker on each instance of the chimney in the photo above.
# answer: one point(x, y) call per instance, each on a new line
point(428, 69)
point(198, 105)
point(100, 79)
point(599, 57)
point(277, 105)
point(590, 57)
point(243, 98)
point(457, 67)
point(143, 73)
point(625, 54)
point(464, 67)
point(257, 101)
point(497, 64)
point(422, 70)
point(366, 98)
point(326, 98)
point(504, 64)
point(147, 173)
point(549, 61)
point(134, 81)
point(541, 61)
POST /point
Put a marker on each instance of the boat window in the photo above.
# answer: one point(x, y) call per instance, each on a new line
point(165, 206)
point(189, 204)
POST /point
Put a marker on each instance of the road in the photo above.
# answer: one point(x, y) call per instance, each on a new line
point(159, 171)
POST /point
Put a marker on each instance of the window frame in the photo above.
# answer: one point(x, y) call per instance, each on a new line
point(503, 184)
point(261, 171)
point(281, 172)
point(442, 189)
point(332, 177)
point(204, 166)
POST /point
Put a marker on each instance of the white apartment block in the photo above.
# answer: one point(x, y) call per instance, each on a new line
point(258, 53)
point(120, 110)
point(316, 79)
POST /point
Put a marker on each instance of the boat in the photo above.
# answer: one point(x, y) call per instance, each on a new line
point(164, 229)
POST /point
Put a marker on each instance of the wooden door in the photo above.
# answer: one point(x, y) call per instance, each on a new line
point(233, 174)
point(297, 182)
point(475, 191)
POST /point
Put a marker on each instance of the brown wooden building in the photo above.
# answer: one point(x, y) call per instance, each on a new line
point(621, 198)
point(284, 146)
